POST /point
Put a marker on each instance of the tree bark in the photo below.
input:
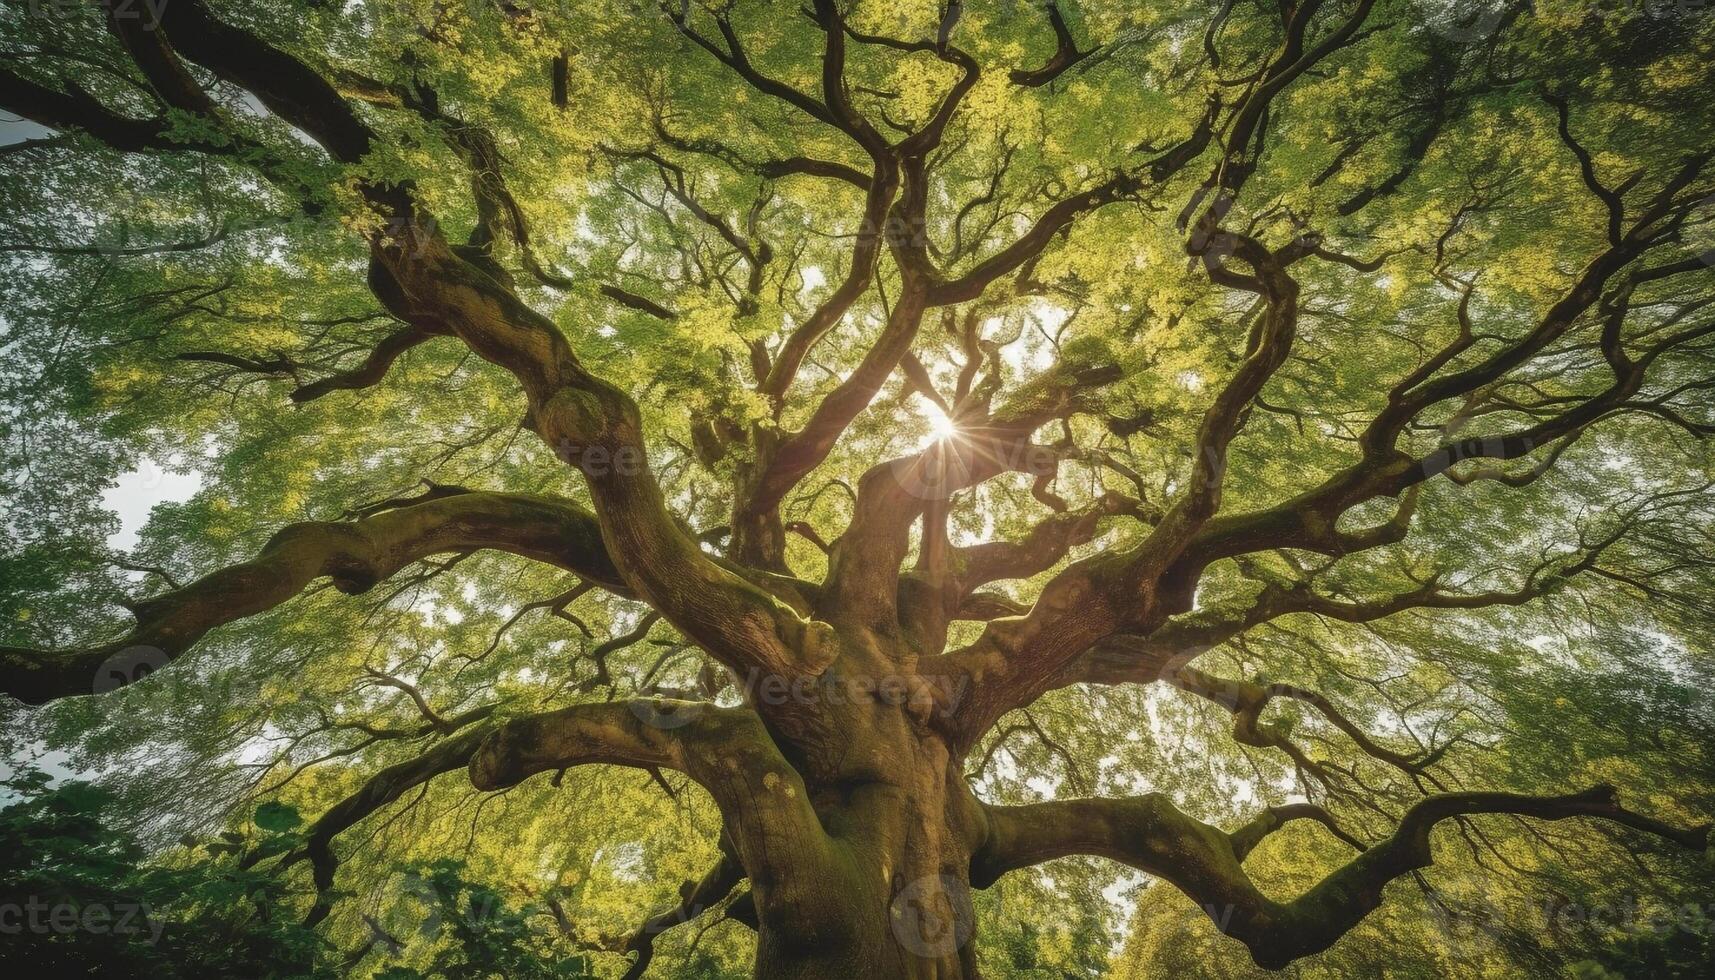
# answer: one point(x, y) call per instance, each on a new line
point(842, 800)
point(896, 901)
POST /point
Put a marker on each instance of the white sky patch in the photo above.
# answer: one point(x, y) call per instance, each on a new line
point(814, 278)
point(255, 107)
point(1031, 353)
point(1051, 315)
point(18, 130)
point(35, 754)
point(138, 492)
point(625, 859)
point(423, 604)
point(261, 747)
point(1117, 896)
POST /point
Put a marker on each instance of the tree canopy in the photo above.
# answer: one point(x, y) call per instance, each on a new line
point(1005, 488)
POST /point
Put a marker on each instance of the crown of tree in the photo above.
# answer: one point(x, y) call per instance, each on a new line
point(923, 441)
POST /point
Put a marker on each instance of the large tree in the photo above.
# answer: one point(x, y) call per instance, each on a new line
point(816, 405)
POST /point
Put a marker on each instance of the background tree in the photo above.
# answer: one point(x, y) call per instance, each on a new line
point(917, 443)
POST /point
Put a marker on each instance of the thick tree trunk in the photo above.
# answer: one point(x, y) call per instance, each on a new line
point(897, 908)
point(920, 934)
point(894, 897)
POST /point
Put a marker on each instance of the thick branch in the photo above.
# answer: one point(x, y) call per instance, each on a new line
point(355, 554)
point(590, 423)
point(1149, 833)
point(892, 495)
point(1143, 658)
point(806, 449)
point(763, 801)
point(1040, 549)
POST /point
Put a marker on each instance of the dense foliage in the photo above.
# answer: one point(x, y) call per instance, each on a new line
point(1283, 417)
